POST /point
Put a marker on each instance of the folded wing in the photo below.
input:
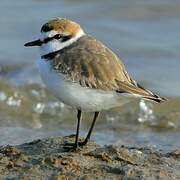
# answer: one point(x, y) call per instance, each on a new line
point(93, 65)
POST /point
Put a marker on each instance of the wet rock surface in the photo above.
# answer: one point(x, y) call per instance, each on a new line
point(48, 159)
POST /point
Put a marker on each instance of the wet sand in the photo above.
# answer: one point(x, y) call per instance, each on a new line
point(48, 159)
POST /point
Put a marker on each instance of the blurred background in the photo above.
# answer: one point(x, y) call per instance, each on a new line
point(145, 34)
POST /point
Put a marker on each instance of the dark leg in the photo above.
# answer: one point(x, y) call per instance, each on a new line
point(75, 145)
point(90, 130)
point(77, 130)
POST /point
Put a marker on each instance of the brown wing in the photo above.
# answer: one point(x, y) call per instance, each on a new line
point(91, 64)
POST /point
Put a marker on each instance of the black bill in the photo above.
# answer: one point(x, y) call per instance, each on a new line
point(34, 43)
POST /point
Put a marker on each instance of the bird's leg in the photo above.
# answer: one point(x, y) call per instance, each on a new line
point(77, 130)
point(76, 144)
point(90, 130)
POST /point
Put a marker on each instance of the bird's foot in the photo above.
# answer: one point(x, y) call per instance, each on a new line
point(74, 146)
point(83, 143)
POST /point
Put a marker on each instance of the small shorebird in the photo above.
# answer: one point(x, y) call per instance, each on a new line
point(82, 72)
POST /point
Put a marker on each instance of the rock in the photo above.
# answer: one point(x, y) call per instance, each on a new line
point(48, 159)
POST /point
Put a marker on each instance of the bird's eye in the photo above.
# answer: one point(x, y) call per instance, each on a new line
point(57, 36)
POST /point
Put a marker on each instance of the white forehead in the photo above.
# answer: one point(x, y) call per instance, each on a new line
point(51, 33)
point(55, 45)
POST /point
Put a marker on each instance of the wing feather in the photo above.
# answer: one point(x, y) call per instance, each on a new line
point(93, 65)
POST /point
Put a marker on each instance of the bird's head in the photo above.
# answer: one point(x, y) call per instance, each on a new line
point(57, 34)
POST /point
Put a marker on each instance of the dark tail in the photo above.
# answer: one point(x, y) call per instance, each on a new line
point(152, 96)
point(138, 90)
point(155, 98)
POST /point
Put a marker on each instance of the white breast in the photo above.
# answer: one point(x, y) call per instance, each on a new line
point(73, 94)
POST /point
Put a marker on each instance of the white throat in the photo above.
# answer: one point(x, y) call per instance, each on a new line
point(55, 45)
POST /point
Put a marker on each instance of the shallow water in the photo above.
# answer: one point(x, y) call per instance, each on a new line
point(144, 34)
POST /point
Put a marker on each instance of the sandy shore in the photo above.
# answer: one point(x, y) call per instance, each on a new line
point(47, 159)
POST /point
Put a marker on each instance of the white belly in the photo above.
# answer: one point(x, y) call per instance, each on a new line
point(73, 94)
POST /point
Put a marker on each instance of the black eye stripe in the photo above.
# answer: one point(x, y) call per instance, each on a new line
point(46, 40)
point(65, 38)
point(57, 36)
